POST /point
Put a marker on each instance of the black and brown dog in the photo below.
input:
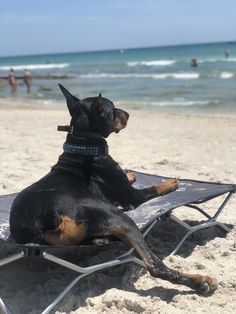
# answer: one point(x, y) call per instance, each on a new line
point(77, 200)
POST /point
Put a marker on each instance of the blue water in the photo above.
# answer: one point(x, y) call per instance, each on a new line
point(158, 78)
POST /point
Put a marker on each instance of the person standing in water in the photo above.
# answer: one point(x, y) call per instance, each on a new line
point(226, 53)
point(194, 63)
point(12, 81)
point(27, 79)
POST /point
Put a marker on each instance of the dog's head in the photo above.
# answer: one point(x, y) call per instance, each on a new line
point(95, 114)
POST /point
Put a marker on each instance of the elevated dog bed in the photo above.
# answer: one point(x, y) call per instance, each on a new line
point(190, 194)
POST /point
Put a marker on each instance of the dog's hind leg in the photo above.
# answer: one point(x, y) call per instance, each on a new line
point(106, 220)
point(122, 227)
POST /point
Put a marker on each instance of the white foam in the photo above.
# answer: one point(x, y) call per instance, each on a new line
point(151, 63)
point(211, 60)
point(226, 75)
point(180, 76)
point(35, 66)
point(182, 102)
point(183, 75)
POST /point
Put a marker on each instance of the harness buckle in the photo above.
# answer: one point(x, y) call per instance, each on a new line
point(71, 129)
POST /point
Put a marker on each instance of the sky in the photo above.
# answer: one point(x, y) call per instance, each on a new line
point(56, 26)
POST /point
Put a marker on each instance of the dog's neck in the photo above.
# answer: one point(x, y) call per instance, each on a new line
point(84, 146)
point(85, 150)
point(80, 149)
point(83, 143)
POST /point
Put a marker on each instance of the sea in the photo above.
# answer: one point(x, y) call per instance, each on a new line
point(155, 78)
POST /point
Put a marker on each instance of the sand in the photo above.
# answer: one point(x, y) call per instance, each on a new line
point(199, 147)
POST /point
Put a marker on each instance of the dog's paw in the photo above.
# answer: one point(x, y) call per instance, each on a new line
point(167, 187)
point(206, 284)
point(131, 177)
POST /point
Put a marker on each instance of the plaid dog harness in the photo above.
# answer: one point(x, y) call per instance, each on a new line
point(85, 150)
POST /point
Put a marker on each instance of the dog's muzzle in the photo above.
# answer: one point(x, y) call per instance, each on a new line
point(120, 121)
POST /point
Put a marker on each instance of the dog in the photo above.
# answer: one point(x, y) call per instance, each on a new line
point(78, 199)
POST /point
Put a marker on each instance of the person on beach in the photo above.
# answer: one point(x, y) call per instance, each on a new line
point(12, 81)
point(27, 79)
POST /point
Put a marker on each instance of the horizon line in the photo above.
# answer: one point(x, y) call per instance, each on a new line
point(228, 42)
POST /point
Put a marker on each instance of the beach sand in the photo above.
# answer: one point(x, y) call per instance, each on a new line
point(199, 147)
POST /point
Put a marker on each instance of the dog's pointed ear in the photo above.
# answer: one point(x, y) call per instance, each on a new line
point(72, 101)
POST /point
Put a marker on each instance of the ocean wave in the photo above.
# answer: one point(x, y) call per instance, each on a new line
point(151, 63)
point(35, 66)
point(226, 75)
point(184, 75)
point(212, 60)
point(175, 103)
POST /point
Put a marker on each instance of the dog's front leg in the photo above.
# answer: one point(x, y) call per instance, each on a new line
point(143, 195)
point(118, 182)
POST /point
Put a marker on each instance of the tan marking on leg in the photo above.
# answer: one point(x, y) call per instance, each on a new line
point(69, 232)
point(167, 187)
point(205, 284)
point(131, 177)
